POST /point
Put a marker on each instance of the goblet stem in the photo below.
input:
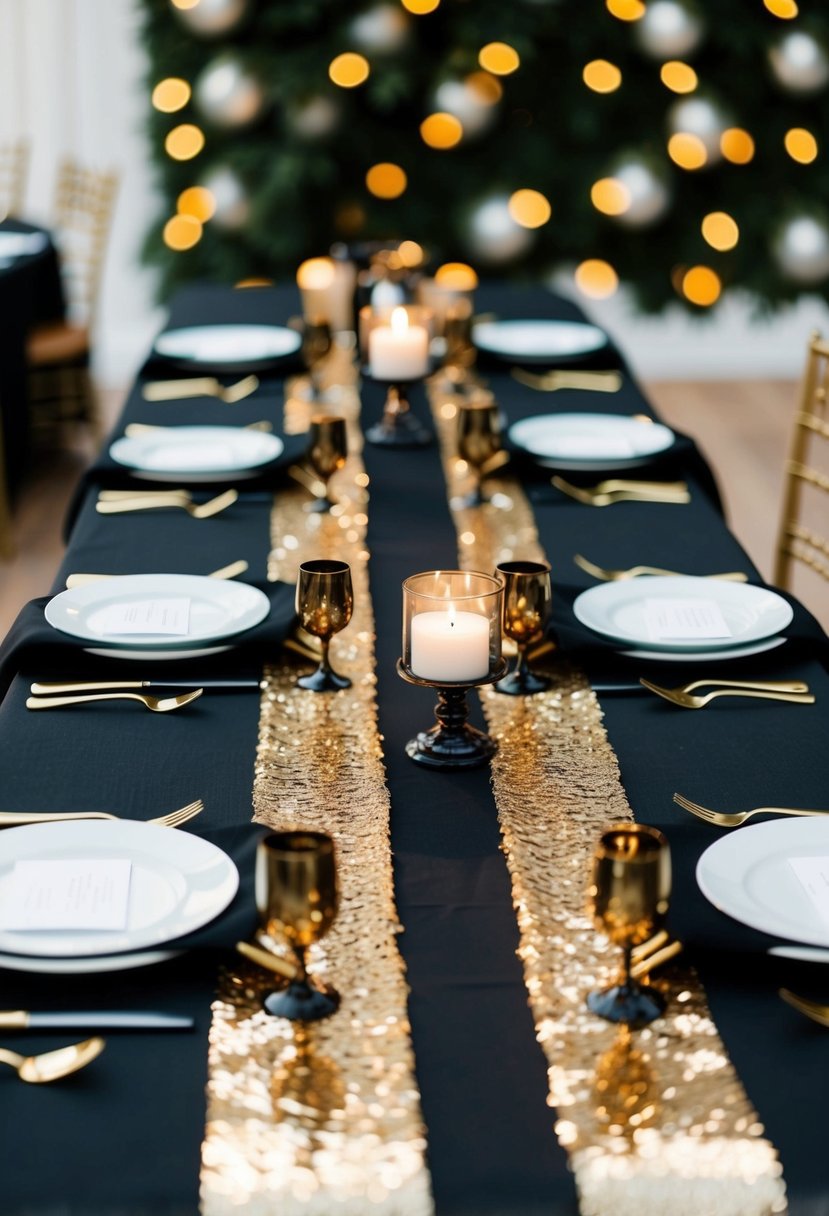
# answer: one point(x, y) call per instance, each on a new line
point(324, 679)
point(522, 682)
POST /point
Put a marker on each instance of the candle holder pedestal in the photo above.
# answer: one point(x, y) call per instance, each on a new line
point(398, 428)
point(452, 743)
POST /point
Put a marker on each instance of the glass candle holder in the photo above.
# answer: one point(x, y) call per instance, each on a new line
point(326, 286)
point(451, 642)
point(397, 347)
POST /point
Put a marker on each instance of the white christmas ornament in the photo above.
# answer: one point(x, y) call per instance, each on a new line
point(648, 193)
point(474, 110)
point(212, 18)
point(313, 118)
point(669, 29)
point(492, 235)
point(232, 203)
point(799, 62)
point(227, 94)
point(383, 29)
point(701, 117)
point(801, 249)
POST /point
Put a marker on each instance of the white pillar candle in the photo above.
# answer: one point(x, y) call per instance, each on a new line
point(399, 351)
point(451, 647)
point(327, 290)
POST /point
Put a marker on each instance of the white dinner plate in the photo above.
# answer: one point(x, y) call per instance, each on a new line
point(590, 442)
point(86, 966)
point(199, 453)
point(218, 609)
point(538, 341)
point(226, 346)
point(617, 611)
point(20, 244)
point(178, 883)
point(747, 875)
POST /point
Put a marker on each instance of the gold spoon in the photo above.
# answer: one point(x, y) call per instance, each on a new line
point(52, 1065)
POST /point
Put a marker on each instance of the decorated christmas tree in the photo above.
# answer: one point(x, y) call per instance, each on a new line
point(673, 145)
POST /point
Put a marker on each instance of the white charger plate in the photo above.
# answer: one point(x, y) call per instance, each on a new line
point(538, 341)
point(219, 609)
point(747, 875)
point(199, 453)
point(86, 966)
point(22, 244)
point(178, 883)
point(705, 656)
point(590, 443)
point(617, 611)
point(225, 346)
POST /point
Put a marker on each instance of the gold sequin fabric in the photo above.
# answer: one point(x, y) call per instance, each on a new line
point(322, 1120)
point(656, 1121)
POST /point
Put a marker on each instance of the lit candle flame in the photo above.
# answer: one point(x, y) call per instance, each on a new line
point(452, 616)
point(399, 321)
point(316, 273)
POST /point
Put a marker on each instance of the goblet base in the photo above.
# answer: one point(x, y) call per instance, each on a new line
point(323, 681)
point(319, 506)
point(627, 1003)
point(522, 684)
point(300, 1002)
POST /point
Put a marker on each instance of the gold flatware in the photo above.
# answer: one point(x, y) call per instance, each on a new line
point(307, 479)
point(52, 1065)
point(733, 819)
point(158, 705)
point(232, 570)
point(771, 691)
point(282, 966)
point(173, 819)
point(812, 1009)
point(134, 430)
point(551, 381)
point(653, 953)
point(612, 491)
point(199, 386)
point(202, 510)
point(610, 576)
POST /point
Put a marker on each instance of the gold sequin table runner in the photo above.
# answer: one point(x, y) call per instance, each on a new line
point(656, 1122)
point(326, 1119)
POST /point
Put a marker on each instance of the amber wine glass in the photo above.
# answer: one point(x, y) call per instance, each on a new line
point(316, 344)
point(296, 898)
point(629, 896)
point(527, 605)
point(327, 451)
point(324, 603)
point(479, 439)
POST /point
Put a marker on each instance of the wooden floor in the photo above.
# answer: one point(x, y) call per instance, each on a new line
point(741, 426)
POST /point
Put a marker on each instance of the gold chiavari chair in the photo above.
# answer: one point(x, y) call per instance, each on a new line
point(60, 389)
point(14, 168)
point(797, 540)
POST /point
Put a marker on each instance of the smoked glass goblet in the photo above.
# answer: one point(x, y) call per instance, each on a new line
point(528, 602)
point(327, 451)
point(324, 603)
point(296, 897)
point(479, 439)
point(629, 899)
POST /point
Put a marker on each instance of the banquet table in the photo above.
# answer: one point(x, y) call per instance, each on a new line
point(30, 293)
point(125, 1135)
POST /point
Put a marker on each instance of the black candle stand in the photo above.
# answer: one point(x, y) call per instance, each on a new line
point(453, 743)
point(399, 427)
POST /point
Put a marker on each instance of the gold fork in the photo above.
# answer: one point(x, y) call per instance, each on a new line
point(610, 576)
point(165, 500)
point(605, 493)
point(733, 819)
point(200, 386)
point(158, 705)
point(174, 819)
point(812, 1009)
point(224, 572)
point(781, 690)
point(549, 382)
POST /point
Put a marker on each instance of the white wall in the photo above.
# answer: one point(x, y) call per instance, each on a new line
point(71, 82)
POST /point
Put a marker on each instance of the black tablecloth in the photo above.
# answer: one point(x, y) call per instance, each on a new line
point(30, 294)
point(482, 1076)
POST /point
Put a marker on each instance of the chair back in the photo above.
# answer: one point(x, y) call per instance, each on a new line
point(14, 168)
point(804, 484)
point(84, 201)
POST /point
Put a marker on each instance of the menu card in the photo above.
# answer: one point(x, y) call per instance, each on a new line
point(77, 893)
point(167, 616)
point(681, 620)
point(813, 875)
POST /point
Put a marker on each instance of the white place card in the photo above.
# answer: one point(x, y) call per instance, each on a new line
point(813, 875)
point(604, 446)
point(681, 620)
point(163, 616)
point(71, 894)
